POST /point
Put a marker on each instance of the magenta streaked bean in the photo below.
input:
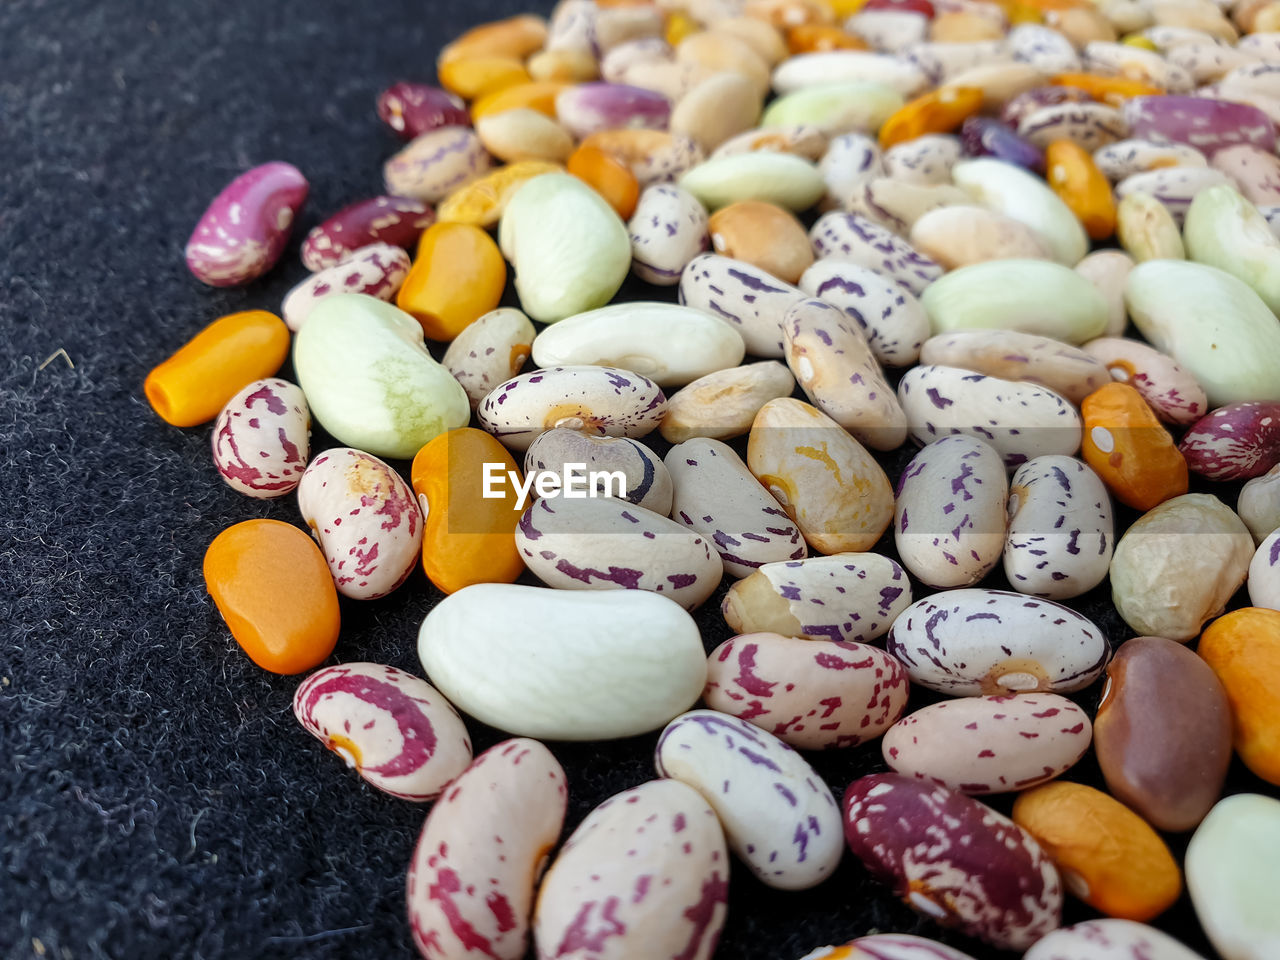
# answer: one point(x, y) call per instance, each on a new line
point(854, 238)
point(667, 230)
point(1169, 389)
point(982, 745)
point(1236, 442)
point(812, 694)
point(1207, 125)
point(397, 221)
point(1109, 940)
point(588, 108)
point(412, 109)
point(261, 439)
point(398, 732)
point(376, 271)
point(890, 317)
point(436, 163)
point(953, 859)
point(244, 230)
point(471, 883)
point(986, 137)
point(778, 815)
point(746, 296)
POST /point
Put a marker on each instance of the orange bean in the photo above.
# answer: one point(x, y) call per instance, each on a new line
point(1084, 188)
point(763, 235)
point(482, 201)
point(1112, 90)
point(467, 538)
point(1108, 856)
point(516, 37)
point(474, 77)
point(818, 37)
point(607, 176)
point(457, 277)
point(539, 95)
point(272, 586)
point(940, 111)
point(1129, 449)
point(193, 385)
point(1243, 650)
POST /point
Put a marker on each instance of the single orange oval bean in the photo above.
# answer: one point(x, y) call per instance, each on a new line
point(539, 95)
point(467, 538)
point(607, 176)
point(515, 37)
point(1076, 179)
point(193, 385)
point(1129, 449)
point(1111, 90)
point(819, 37)
point(474, 77)
point(764, 235)
point(1243, 650)
point(1108, 856)
point(940, 111)
point(272, 586)
point(457, 276)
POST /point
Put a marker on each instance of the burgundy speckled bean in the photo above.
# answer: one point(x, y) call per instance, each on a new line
point(848, 236)
point(376, 271)
point(365, 518)
point(1207, 125)
point(471, 883)
point(1088, 125)
point(1109, 940)
point(392, 220)
point(749, 298)
point(436, 163)
point(981, 745)
point(1236, 442)
point(261, 439)
point(244, 230)
point(398, 732)
point(1171, 391)
point(412, 109)
point(953, 859)
point(669, 899)
point(812, 694)
point(588, 108)
point(985, 137)
point(889, 316)
point(778, 815)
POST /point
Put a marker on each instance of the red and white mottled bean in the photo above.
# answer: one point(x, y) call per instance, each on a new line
point(1124, 158)
point(812, 694)
point(1109, 939)
point(969, 643)
point(668, 229)
point(926, 161)
point(395, 729)
point(1175, 187)
point(242, 233)
point(1259, 504)
point(376, 270)
point(602, 543)
point(1208, 125)
point(848, 236)
point(752, 300)
point(435, 164)
point(588, 108)
point(1061, 531)
point(846, 596)
point(1236, 442)
point(1021, 420)
point(1255, 172)
point(981, 745)
point(261, 439)
point(397, 221)
point(600, 401)
point(778, 815)
point(471, 884)
point(1088, 125)
point(648, 484)
point(646, 874)
point(717, 496)
point(365, 518)
point(835, 367)
point(411, 109)
point(851, 161)
point(950, 519)
point(489, 351)
point(953, 859)
point(888, 315)
point(1169, 389)
point(1264, 574)
point(1014, 355)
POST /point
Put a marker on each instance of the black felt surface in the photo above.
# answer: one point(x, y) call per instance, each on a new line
point(157, 798)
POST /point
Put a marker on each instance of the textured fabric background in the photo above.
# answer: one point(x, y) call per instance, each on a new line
point(157, 798)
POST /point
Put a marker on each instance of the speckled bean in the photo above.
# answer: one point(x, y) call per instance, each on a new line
point(1011, 355)
point(854, 238)
point(435, 164)
point(1042, 47)
point(887, 315)
point(1109, 940)
point(411, 109)
point(1124, 158)
point(723, 405)
point(261, 439)
point(489, 351)
point(750, 299)
point(1175, 187)
point(397, 221)
point(1259, 504)
point(376, 271)
point(851, 160)
point(1090, 125)
point(1236, 442)
point(668, 229)
point(926, 160)
point(648, 484)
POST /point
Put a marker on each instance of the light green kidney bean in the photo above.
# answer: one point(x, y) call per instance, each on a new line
point(1226, 231)
point(370, 380)
point(780, 178)
point(836, 107)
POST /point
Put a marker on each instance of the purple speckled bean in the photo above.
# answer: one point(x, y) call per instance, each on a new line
point(968, 643)
point(489, 351)
point(889, 316)
point(1124, 158)
point(985, 137)
point(1043, 48)
point(397, 221)
point(365, 518)
point(1109, 940)
point(412, 109)
point(1264, 573)
point(588, 108)
point(668, 900)
point(261, 439)
point(1207, 125)
point(1037, 98)
point(981, 745)
point(953, 859)
point(244, 230)
point(376, 271)
point(851, 161)
point(744, 295)
point(926, 161)
point(1088, 125)
point(1236, 442)
point(1175, 187)
point(436, 163)
point(848, 236)
point(949, 522)
point(602, 543)
point(1014, 355)
point(1061, 531)
point(777, 813)
point(602, 401)
point(812, 694)
point(475, 868)
point(668, 229)
point(398, 732)
point(648, 484)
